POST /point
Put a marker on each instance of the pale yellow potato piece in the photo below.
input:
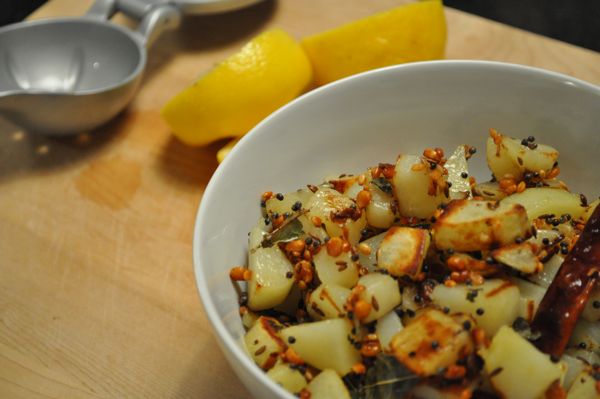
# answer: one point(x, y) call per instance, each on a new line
point(274, 205)
point(380, 211)
point(517, 369)
point(387, 327)
point(328, 385)
point(584, 387)
point(292, 380)
point(499, 300)
point(340, 270)
point(324, 344)
point(521, 257)
point(412, 188)
point(370, 260)
point(489, 190)
point(335, 211)
point(543, 201)
point(531, 296)
point(263, 342)
point(403, 250)
point(382, 292)
point(258, 233)
point(588, 333)
point(469, 225)
point(327, 301)
point(541, 234)
point(545, 277)
point(456, 166)
point(412, 346)
point(509, 156)
point(591, 313)
point(574, 367)
point(590, 209)
point(269, 284)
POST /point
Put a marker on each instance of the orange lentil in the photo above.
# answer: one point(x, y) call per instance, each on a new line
point(346, 247)
point(359, 368)
point(456, 262)
point(553, 173)
point(316, 221)
point(450, 283)
point(363, 198)
point(243, 310)
point(466, 394)
point(364, 249)
point(295, 246)
point(292, 357)
point(362, 179)
point(305, 394)
point(479, 337)
point(375, 172)
point(266, 195)
point(542, 173)
point(334, 246)
point(278, 221)
point(521, 187)
point(307, 255)
point(505, 182)
point(240, 273)
point(454, 371)
point(497, 137)
point(362, 309)
point(370, 348)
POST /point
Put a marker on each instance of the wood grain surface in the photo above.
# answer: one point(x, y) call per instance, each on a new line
point(97, 292)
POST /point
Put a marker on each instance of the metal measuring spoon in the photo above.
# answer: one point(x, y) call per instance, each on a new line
point(68, 75)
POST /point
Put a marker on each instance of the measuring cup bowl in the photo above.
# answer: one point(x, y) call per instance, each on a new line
point(66, 75)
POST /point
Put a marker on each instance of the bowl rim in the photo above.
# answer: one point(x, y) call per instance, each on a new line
point(218, 327)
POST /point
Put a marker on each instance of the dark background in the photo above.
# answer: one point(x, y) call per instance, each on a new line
point(573, 21)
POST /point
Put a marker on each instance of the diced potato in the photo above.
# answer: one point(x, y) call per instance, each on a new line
point(584, 387)
point(339, 270)
point(337, 212)
point(489, 190)
point(328, 385)
point(311, 230)
point(269, 284)
point(497, 300)
point(257, 234)
point(458, 174)
point(382, 292)
point(403, 250)
point(468, 225)
point(263, 342)
point(584, 355)
point(574, 367)
point(275, 205)
point(520, 257)
point(591, 312)
point(409, 305)
point(590, 209)
point(387, 327)
point(431, 342)
point(370, 260)
point(545, 277)
point(542, 234)
point(507, 155)
point(346, 185)
point(248, 319)
point(380, 211)
point(425, 391)
point(545, 201)
point(327, 301)
point(586, 333)
point(290, 379)
point(531, 296)
point(417, 193)
point(517, 369)
point(324, 344)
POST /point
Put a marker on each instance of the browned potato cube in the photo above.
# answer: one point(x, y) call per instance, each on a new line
point(431, 342)
point(402, 251)
point(468, 225)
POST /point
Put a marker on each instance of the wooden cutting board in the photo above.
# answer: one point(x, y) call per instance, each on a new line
point(97, 293)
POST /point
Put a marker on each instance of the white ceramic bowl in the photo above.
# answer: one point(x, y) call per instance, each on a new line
point(359, 121)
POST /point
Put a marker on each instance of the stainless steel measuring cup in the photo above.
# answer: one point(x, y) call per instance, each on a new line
point(68, 75)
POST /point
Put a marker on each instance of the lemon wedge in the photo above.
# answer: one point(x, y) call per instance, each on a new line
point(412, 32)
point(265, 74)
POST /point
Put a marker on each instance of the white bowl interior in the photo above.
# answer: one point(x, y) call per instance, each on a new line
point(355, 123)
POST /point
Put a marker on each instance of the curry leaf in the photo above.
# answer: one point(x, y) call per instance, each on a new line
point(288, 231)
